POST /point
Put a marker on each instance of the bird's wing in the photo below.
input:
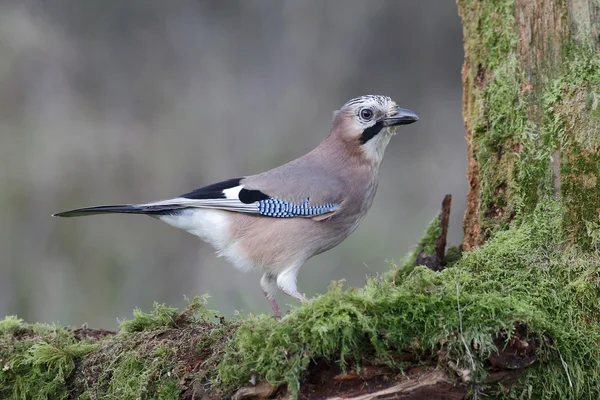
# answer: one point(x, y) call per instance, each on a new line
point(271, 196)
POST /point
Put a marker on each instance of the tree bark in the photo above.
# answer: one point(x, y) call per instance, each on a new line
point(531, 112)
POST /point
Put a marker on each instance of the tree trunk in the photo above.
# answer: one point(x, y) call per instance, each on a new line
point(517, 316)
point(531, 87)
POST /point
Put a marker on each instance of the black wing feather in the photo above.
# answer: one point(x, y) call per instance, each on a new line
point(248, 196)
point(214, 191)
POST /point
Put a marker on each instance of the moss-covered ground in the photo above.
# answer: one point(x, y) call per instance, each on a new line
point(526, 278)
point(37, 360)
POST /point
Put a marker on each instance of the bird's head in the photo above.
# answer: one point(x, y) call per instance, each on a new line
point(369, 122)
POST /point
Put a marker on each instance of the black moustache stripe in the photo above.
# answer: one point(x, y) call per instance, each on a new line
point(371, 132)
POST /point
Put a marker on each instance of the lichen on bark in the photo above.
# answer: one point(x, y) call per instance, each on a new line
point(531, 78)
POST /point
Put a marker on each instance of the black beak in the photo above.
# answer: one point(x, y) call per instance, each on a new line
point(403, 117)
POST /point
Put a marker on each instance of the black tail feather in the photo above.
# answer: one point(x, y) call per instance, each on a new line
point(114, 209)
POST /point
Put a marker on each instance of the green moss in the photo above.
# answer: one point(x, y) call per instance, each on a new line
point(453, 255)
point(573, 116)
point(163, 354)
point(164, 316)
point(497, 110)
point(520, 275)
point(568, 124)
point(11, 324)
point(432, 233)
point(36, 360)
point(581, 191)
point(426, 243)
point(485, 28)
point(523, 111)
point(136, 376)
point(160, 317)
point(499, 146)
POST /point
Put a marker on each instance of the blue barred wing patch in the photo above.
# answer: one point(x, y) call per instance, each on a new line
point(273, 207)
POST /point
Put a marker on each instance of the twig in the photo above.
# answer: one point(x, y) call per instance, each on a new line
point(566, 367)
point(426, 382)
point(440, 245)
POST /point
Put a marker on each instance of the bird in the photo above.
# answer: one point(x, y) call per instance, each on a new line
point(275, 221)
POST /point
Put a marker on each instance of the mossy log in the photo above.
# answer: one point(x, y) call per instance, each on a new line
point(515, 315)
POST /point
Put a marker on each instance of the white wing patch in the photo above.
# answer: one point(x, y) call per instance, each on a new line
point(233, 193)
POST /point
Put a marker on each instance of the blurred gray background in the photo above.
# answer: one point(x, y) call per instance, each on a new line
point(133, 101)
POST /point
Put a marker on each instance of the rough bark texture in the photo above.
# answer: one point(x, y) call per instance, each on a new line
point(516, 315)
point(531, 114)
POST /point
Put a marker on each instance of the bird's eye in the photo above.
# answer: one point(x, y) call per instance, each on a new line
point(366, 114)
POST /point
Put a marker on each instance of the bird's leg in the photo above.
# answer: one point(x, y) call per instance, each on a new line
point(286, 281)
point(274, 307)
point(268, 283)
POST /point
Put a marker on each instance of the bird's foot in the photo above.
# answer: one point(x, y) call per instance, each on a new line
point(300, 297)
